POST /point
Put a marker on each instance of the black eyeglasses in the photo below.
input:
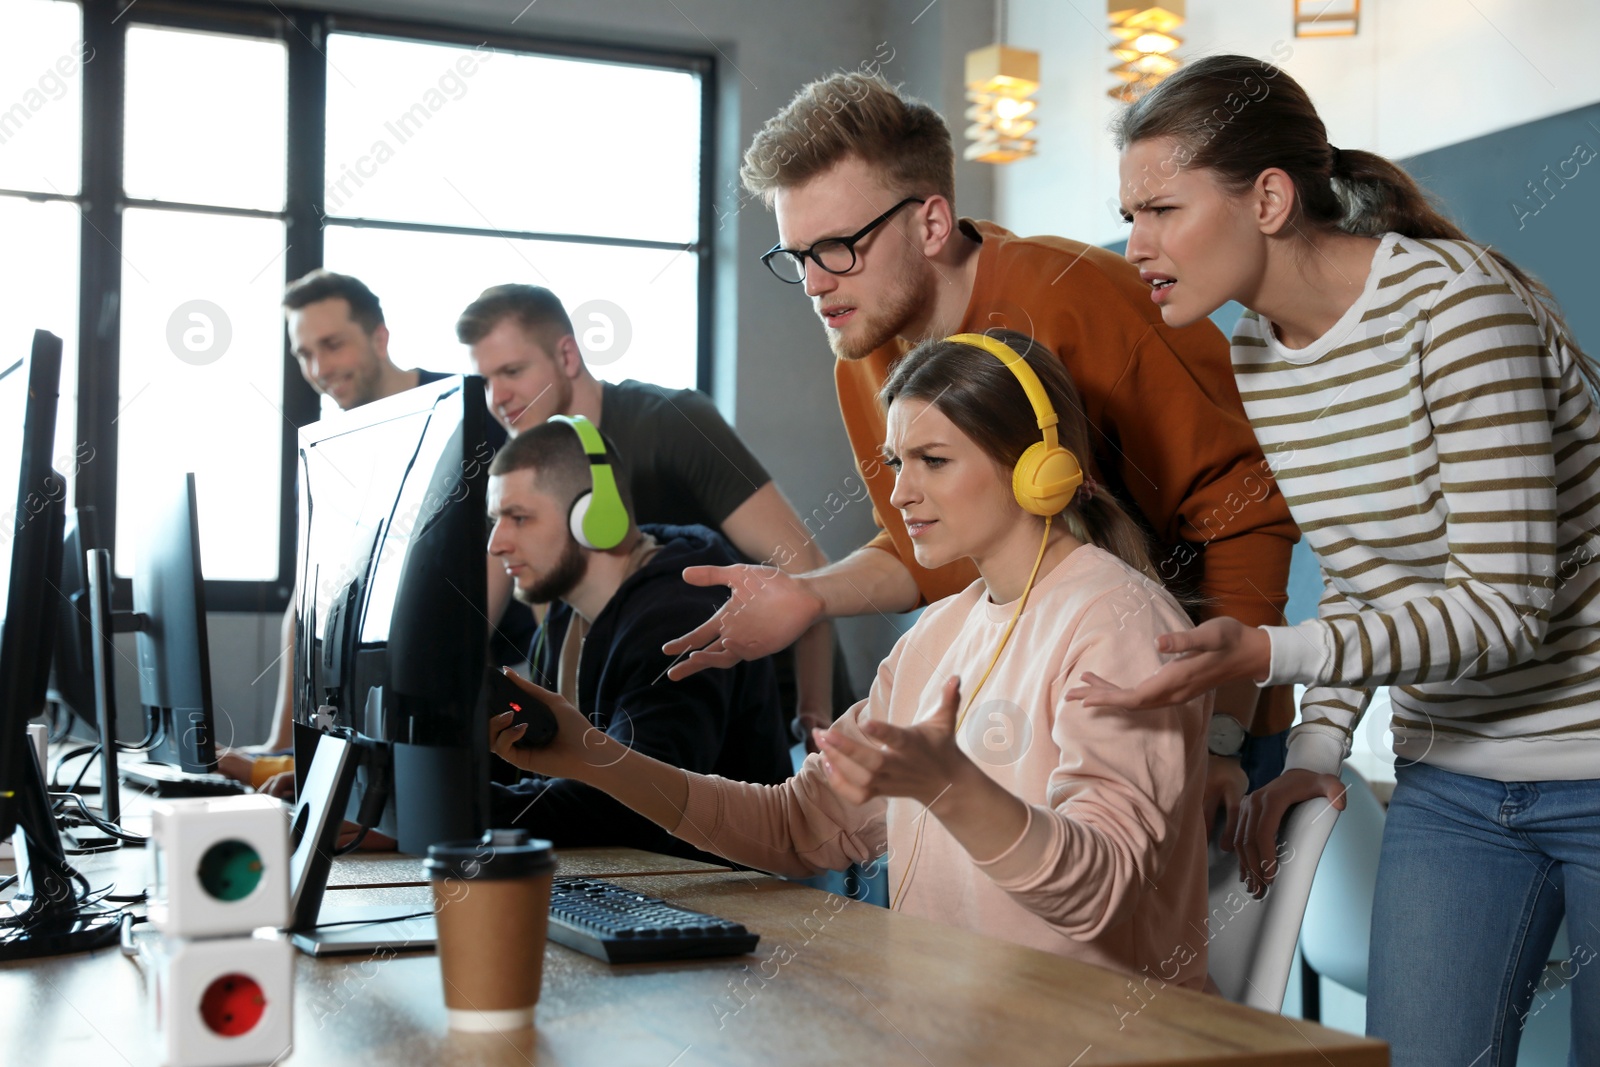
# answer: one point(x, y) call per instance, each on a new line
point(836, 255)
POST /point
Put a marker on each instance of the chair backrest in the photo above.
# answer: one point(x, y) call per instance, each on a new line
point(1339, 912)
point(1251, 942)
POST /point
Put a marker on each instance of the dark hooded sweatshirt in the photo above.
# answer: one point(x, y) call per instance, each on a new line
point(723, 722)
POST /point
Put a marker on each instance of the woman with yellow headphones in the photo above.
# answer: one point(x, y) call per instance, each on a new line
point(1073, 830)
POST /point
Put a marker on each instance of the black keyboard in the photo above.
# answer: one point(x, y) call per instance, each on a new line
point(165, 780)
point(621, 925)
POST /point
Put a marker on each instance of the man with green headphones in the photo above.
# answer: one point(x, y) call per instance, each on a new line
point(564, 535)
point(682, 463)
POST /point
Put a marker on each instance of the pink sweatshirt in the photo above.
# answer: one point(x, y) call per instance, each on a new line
point(1110, 868)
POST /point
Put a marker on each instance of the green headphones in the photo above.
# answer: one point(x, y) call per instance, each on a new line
point(598, 518)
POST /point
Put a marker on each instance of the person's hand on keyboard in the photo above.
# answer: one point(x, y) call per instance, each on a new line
point(279, 785)
point(253, 768)
point(236, 764)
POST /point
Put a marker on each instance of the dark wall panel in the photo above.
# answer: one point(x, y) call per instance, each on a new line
point(1533, 193)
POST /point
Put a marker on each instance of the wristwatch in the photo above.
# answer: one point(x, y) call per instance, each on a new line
point(1226, 735)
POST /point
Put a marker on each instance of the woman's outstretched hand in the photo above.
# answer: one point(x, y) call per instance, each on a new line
point(1218, 650)
point(921, 761)
point(924, 762)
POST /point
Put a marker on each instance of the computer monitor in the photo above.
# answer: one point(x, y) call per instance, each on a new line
point(46, 915)
point(30, 537)
point(391, 634)
point(86, 706)
point(72, 666)
point(174, 654)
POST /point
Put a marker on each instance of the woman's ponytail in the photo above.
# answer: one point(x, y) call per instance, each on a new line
point(1379, 197)
point(1098, 519)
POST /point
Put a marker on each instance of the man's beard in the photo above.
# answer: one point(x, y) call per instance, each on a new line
point(570, 569)
point(894, 313)
point(366, 383)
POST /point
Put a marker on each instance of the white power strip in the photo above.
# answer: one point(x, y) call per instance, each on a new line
point(224, 971)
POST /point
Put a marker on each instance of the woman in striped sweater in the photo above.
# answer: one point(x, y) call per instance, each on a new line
point(1431, 424)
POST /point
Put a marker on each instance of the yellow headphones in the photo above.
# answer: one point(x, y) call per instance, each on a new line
point(1046, 475)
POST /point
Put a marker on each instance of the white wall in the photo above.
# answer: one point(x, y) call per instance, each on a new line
point(1421, 74)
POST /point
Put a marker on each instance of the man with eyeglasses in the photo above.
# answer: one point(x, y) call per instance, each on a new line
point(862, 180)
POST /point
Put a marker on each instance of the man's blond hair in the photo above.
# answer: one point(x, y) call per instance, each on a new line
point(857, 115)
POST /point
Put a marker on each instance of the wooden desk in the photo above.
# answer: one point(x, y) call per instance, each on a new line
point(380, 870)
point(832, 981)
point(388, 870)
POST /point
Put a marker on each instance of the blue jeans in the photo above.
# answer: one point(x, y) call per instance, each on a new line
point(1474, 879)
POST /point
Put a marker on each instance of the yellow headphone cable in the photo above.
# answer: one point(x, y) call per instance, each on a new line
point(1022, 601)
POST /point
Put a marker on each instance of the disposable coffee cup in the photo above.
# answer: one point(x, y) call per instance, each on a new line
point(491, 898)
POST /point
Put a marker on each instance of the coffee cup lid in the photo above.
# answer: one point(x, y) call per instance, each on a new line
point(497, 854)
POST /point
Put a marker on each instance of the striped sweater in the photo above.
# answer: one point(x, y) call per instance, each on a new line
point(1441, 452)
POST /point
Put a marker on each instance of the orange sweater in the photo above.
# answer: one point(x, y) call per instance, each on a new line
point(1168, 427)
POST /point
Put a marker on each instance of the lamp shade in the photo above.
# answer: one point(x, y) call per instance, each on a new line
point(1145, 41)
point(999, 81)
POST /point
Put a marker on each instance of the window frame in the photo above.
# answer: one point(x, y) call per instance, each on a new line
point(303, 31)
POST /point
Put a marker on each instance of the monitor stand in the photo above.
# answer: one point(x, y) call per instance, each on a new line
point(87, 837)
point(52, 922)
point(102, 627)
point(102, 624)
point(319, 930)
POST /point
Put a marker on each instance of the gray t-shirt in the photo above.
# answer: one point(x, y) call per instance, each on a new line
point(682, 462)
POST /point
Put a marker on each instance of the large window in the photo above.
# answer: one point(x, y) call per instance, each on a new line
point(166, 167)
point(454, 168)
point(201, 375)
point(41, 135)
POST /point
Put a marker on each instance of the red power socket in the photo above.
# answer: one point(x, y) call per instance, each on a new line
point(232, 1005)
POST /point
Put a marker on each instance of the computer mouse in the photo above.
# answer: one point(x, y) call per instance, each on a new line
point(503, 695)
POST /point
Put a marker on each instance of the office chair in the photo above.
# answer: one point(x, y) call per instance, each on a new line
point(1252, 942)
point(1333, 938)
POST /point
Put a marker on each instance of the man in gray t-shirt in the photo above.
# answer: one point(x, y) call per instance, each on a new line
point(681, 460)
